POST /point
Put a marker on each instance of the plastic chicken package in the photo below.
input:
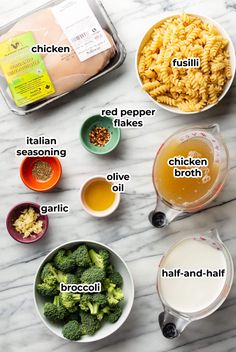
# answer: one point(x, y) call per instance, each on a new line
point(54, 50)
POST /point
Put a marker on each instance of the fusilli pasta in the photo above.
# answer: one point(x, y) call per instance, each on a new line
point(189, 89)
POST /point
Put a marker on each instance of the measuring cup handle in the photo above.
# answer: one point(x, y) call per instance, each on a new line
point(169, 331)
point(163, 214)
point(168, 326)
point(158, 219)
point(171, 325)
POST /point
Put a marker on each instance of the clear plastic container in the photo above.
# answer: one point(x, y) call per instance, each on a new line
point(113, 63)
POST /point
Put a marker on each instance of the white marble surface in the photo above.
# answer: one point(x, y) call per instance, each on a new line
point(128, 231)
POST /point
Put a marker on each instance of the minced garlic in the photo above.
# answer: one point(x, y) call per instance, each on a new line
point(28, 223)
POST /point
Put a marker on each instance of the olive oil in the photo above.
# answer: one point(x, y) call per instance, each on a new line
point(98, 195)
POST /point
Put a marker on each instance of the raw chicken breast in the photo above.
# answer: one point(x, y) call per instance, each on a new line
point(66, 70)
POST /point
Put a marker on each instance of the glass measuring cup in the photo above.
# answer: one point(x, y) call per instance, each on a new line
point(173, 321)
point(169, 209)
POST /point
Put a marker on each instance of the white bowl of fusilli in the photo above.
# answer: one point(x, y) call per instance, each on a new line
point(186, 90)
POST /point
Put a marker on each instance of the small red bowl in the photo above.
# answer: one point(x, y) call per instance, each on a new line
point(31, 182)
point(15, 212)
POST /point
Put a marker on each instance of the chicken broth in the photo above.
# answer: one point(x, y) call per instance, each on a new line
point(185, 170)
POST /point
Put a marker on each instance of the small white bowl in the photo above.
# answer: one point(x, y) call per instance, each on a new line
point(98, 214)
point(128, 289)
point(231, 50)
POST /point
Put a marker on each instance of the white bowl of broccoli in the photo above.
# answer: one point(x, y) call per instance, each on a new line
point(83, 317)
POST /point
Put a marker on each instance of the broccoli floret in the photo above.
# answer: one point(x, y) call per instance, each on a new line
point(101, 259)
point(81, 256)
point(107, 283)
point(99, 298)
point(67, 278)
point(85, 301)
point(102, 312)
point(49, 274)
point(71, 279)
point(72, 330)
point(92, 302)
point(93, 274)
point(114, 295)
point(51, 279)
point(64, 261)
point(47, 290)
point(52, 276)
point(110, 269)
point(116, 279)
point(90, 323)
point(79, 272)
point(114, 314)
point(69, 301)
point(110, 313)
point(54, 311)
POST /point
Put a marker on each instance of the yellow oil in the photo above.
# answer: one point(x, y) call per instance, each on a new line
point(184, 191)
point(98, 195)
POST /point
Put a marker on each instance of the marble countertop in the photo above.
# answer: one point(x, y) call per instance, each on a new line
point(128, 231)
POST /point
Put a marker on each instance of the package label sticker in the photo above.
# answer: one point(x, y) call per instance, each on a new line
point(82, 28)
point(25, 72)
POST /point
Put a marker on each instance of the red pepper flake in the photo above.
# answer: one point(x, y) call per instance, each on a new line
point(99, 136)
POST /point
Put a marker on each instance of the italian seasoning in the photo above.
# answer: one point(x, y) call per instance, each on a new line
point(42, 171)
point(99, 136)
